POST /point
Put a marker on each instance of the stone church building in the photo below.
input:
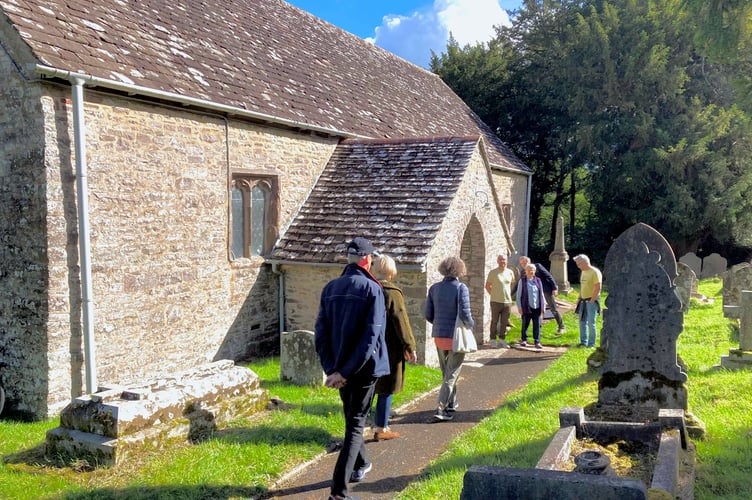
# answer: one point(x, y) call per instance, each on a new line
point(180, 179)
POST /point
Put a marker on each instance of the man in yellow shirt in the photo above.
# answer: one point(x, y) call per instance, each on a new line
point(588, 305)
point(499, 285)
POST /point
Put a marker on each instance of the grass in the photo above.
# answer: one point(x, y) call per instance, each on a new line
point(245, 457)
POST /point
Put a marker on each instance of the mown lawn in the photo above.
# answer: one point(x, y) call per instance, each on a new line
point(245, 457)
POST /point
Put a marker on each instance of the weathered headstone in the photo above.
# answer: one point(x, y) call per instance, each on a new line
point(693, 261)
point(713, 265)
point(736, 279)
point(559, 258)
point(298, 361)
point(685, 281)
point(742, 357)
point(642, 321)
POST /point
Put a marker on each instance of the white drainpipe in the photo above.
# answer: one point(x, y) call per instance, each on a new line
point(281, 307)
point(79, 132)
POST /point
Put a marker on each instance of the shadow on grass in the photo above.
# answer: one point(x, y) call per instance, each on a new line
point(272, 434)
point(198, 492)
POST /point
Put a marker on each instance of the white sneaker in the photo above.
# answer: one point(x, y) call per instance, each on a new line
point(503, 344)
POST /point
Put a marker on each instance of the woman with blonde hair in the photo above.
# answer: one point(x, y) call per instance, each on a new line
point(446, 299)
point(400, 345)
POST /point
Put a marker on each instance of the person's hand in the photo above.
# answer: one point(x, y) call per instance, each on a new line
point(555, 292)
point(410, 357)
point(335, 381)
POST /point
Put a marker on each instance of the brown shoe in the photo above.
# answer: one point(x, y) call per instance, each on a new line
point(385, 435)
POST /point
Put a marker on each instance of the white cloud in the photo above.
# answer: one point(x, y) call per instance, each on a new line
point(413, 36)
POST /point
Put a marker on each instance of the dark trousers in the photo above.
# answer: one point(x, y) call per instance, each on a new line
point(357, 397)
point(551, 302)
point(535, 317)
point(499, 319)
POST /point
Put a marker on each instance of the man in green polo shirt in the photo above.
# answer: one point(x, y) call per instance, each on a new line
point(499, 286)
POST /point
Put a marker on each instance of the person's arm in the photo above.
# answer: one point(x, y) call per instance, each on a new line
point(596, 292)
point(546, 277)
point(466, 315)
point(428, 308)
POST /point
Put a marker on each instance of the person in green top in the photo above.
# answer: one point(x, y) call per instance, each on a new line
point(499, 286)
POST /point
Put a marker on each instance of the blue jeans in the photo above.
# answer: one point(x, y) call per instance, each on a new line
point(383, 408)
point(588, 333)
point(357, 397)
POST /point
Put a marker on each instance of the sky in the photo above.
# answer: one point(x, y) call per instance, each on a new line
point(412, 28)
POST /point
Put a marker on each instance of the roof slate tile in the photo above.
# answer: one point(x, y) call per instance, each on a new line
point(395, 193)
point(263, 56)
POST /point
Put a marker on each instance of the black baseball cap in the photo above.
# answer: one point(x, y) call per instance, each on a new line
point(361, 246)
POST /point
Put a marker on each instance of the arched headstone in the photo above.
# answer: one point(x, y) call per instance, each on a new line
point(643, 320)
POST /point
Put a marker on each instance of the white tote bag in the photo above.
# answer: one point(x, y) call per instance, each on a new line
point(463, 340)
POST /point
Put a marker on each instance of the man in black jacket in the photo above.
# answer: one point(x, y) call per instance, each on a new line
point(349, 338)
point(550, 291)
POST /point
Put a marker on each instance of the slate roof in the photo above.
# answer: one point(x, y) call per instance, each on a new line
point(394, 192)
point(264, 56)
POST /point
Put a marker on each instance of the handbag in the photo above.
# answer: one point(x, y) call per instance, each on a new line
point(463, 340)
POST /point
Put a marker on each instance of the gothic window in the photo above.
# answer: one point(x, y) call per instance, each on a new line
point(253, 215)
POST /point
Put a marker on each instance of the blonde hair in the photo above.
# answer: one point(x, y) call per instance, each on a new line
point(453, 267)
point(383, 267)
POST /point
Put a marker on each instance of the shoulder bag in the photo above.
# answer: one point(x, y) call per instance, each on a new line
point(463, 340)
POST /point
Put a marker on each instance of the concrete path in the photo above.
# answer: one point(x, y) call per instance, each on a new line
point(487, 377)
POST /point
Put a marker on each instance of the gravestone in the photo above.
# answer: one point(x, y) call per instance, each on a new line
point(298, 361)
point(559, 258)
point(736, 279)
point(742, 357)
point(693, 261)
point(713, 265)
point(685, 283)
point(641, 323)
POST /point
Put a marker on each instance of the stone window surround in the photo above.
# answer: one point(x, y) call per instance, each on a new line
point(247, 180)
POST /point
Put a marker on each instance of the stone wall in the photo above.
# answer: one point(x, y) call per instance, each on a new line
point(165, 294)
point(303, 285)
point(511, 188)
point(23, 243)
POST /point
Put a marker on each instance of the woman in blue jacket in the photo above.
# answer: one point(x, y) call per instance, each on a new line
point(446, 299)
point(530, 303)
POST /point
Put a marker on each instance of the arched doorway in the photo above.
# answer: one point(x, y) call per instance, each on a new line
point(473, 252)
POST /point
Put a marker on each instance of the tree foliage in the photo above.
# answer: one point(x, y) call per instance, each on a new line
point(623, 116)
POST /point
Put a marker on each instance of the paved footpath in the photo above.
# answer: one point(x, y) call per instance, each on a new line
point(487, 377)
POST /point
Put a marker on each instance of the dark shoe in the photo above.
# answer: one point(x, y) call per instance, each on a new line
point(360, 474)
point(452, 408)
point(442, 415)
point(336, 497)
point(385, 435)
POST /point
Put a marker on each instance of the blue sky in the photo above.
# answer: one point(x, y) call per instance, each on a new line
point(412, 28)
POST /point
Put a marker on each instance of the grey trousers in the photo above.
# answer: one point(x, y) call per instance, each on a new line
point(450, 363)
